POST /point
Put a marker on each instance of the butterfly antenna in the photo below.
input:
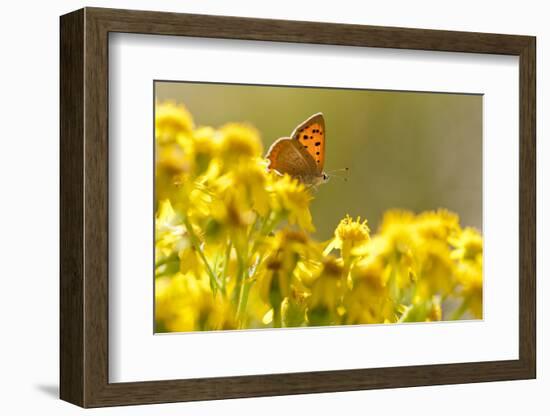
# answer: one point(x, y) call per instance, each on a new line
point(343, 176)
point(339, 170)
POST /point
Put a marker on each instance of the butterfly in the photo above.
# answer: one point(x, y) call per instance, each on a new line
point(302, 155)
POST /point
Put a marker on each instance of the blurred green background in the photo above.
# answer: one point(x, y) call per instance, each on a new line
point(413, 150)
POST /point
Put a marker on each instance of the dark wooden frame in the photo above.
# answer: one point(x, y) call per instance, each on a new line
point(84, 207)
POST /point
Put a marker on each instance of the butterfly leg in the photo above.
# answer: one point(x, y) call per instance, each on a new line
point(314, 188)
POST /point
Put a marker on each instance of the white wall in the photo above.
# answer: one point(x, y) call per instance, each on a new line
point(29, 208)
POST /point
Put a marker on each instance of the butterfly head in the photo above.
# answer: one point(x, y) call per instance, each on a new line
point(316, 180)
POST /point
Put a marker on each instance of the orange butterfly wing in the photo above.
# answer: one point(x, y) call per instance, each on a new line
point(288, 156)
point(311, 134)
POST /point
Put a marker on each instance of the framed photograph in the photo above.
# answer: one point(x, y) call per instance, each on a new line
point(255, 207)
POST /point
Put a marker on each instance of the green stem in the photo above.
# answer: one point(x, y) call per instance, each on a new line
point(166, 260)
point(457, 314)
point(226, 266)
point(239, 293)
point(244, 282)
point(196, 246)
point(271, 222)
point(243, 300)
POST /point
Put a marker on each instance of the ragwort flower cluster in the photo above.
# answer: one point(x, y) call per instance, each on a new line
point(233, 246)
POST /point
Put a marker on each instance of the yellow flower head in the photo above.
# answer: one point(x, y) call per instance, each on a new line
point(469, 270)
point(232, 211)
point(239, 195)
point(398, 236)
point(326, 292)
point(395, 217)
point(186, 303)
point(435, 268)
point(355, 231)
point(173, 159)
point(370, 271)
point(293, 310)
point(171, 120)
point(332, 268)
point(205, 148)
point(468, 245)
point(350, 235)
point(369, 300)
point(291, 198)
point(169, 231)
point(471, 280)
point(249, 180)
point(290, 256)
point(438, 224)
point(239, 142)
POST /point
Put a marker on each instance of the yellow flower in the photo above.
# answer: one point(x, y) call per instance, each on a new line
point(174, 159)
point(253, 182)
point(171, 312)
point(369, 301)
point(470, 278)
point(248, 182)
point(169, 231)
point(438, 224)
point(171, 120)
point(400, 244)
point(350, 235)
point(231, 220)
point(468, 252)
point(326, 294)
point(185, 303)
point(239, 142)
point(294, 310)
point(232, 211)
point(195, 199)
point(205, 148)
point(356, 232)
point(468, 245)
point(285, 251)
point(436, 269)
point(396, 218)
point(371, 271)
point(291, 199)
point(397, 235)
point(178, 302)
